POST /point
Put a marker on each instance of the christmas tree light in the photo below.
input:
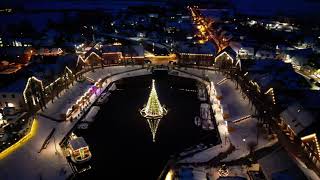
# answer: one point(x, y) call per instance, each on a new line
point(153, 111)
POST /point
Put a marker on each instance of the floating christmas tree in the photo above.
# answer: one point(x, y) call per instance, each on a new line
point(153, 111)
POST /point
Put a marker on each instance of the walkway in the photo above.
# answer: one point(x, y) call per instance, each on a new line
point(243, 132)
point(27, 163)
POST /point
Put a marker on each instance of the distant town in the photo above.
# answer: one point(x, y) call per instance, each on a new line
point(258, 82)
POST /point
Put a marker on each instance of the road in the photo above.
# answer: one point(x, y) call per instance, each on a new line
point(204, 26)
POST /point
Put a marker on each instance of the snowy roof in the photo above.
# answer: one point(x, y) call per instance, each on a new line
point(264, 65)
point(41, 71)
point(273, 73)
point(206, 48)
point(300, 52)
point(265, 52)
point(135, 50)
point(237, 45)
point(280, 162)
point(56, 66)
point(111, 48)
point(78, 143)
point(297, 118)
point(229, 51)
point(182, 25)
point(92, 50)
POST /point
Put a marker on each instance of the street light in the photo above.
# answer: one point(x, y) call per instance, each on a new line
point(244, 144)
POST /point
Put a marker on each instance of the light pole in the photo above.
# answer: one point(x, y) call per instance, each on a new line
point(244, 144)
point(55, 146)
point(153, 47)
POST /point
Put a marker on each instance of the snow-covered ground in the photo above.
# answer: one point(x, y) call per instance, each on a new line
point(240, 171)
point(27, 163)
point(242, 133)
point(100, 73)
point(66, 99)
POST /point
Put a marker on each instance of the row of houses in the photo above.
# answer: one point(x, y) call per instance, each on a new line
point(286, 96)
point(36, 83)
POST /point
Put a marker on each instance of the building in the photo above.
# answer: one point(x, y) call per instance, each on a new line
point(265, 54)
point(279, 165)
point(295, 119)
point(271, 73)
point(49, 52)
point(91, 57)
point(243, 50)
point(11, 95)
point(111, 53)
point(40, 82)
point(226, 58)
point(118, 53)
point(298, 57)
point(196, 54)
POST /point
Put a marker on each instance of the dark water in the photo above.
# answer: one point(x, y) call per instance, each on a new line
point(120, 139)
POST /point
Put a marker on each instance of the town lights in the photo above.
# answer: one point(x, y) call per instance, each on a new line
point(201, 41)
point(223, 171)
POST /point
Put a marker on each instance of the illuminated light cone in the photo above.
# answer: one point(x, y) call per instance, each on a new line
point(153, 124)
point(153, 111)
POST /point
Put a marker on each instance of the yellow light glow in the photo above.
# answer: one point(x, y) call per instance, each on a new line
point(91, 54)
point(227, 56)
point(25, 89)
point(170, 175)
point(21, 142)
point(117, 43)
point(201, 41)
point(314, 138)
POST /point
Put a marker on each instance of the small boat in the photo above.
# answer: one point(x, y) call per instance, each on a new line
point(113, 87)
point(202, 94)
point(90, 116)
point(197, 121)
point(79, 149)
point(207, 125)
point(103, 98)
point(83, 125)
